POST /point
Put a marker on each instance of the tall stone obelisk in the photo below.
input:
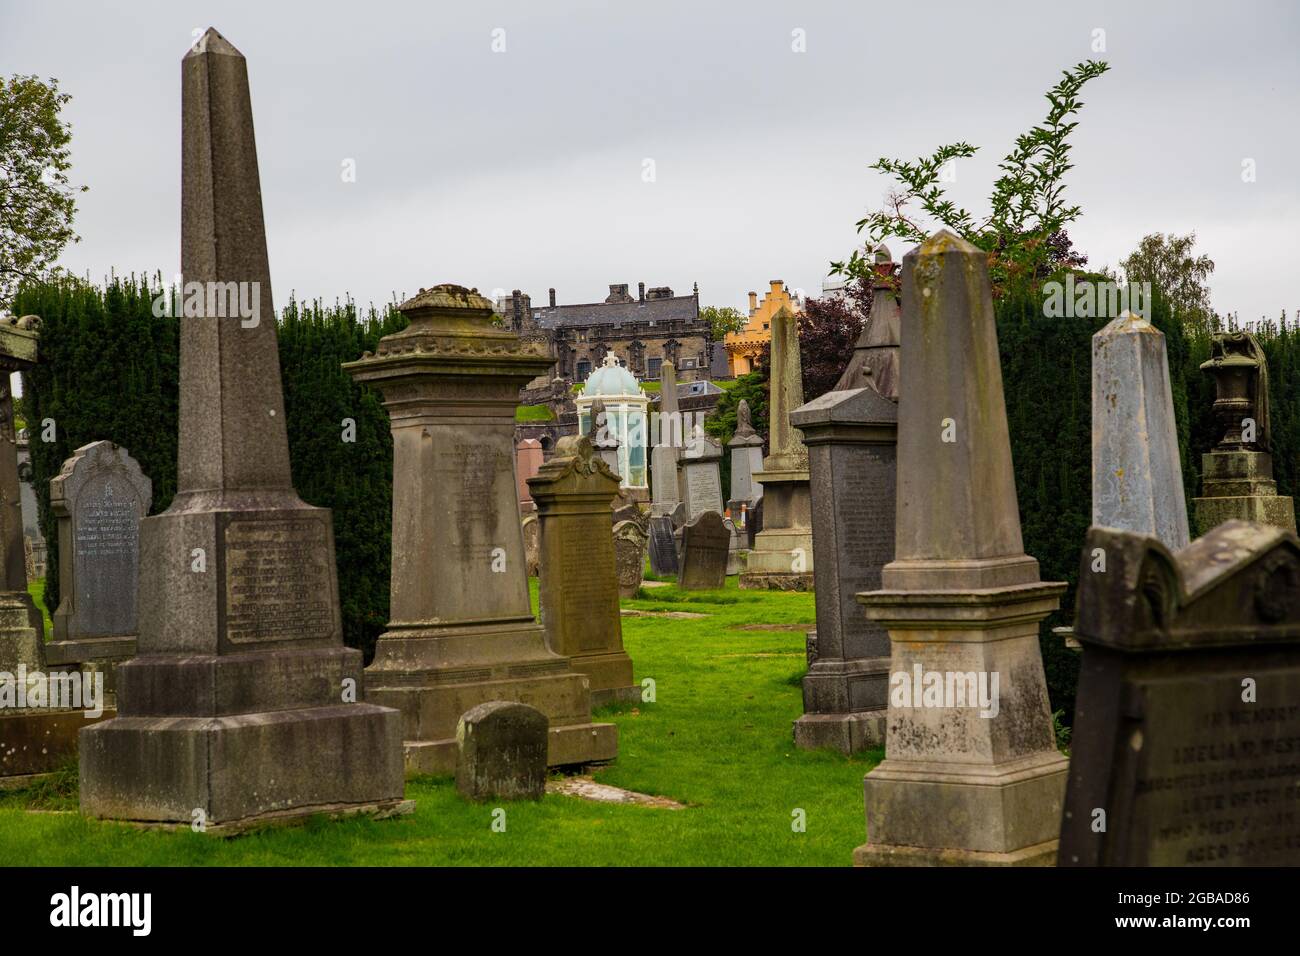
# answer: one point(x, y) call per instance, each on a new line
point(782, 556)
point(971, 774)
point(462, 631)
point(242, 703)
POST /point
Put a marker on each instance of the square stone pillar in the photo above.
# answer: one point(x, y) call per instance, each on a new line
point(462, 630)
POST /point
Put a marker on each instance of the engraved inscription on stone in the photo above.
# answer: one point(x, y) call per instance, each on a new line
point(704, 490)
point(587, 601)
point(278, 584)
point(106, 531)
point(1218, 779)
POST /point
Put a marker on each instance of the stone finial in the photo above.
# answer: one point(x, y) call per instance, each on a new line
point(958, 522)
point(744, 425)
point(667, 388)
point(597, 417)
point(1137, 480)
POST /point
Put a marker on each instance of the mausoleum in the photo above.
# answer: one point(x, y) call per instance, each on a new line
point(625, 418)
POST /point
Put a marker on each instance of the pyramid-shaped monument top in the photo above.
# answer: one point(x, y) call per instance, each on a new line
point(213, 42)
point(958, 525)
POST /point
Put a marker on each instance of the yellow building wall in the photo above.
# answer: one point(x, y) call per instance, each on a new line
point(744, 347)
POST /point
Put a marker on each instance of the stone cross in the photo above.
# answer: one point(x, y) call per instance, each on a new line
point(240, 642)
point(461, 629)
point(1188, 708)
point(971, 771)
point(578, 589)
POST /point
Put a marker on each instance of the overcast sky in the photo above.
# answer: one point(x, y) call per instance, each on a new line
point(524, 168)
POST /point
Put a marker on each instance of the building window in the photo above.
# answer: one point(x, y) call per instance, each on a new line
point(584, 370)
point(655, 368)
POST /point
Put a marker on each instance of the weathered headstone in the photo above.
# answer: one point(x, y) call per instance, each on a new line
point(629, 512)
point(578, 589)
point(462, 630)
point(1188, 711)
point(501, 752)
point(663, 546)
point(242, 702)
point(851, 435)
point(98, 498)
point(1237, 473)
point(701, 477)
point(971, 772)
point(704, 553)
point(532, 545)
point(1137, 480)
point(528, 459)
point(629, 556)
point(782, 555)
point(746, 457)
point(665, 490)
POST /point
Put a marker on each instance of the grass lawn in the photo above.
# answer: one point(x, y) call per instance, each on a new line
point(716, 737)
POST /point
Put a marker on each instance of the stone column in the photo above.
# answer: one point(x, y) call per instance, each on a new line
point(1237, 474)
point(578, 590)
point(782, 556)
point(462, 630)
point(851, 433)
point(971, 772)
point(666, 494)
point(242, 702)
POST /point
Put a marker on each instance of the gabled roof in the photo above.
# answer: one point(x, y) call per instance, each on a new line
point(676, 308)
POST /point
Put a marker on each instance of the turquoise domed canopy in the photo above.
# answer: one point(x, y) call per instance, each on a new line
point(611, 379)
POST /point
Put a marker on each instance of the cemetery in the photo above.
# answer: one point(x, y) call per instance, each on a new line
point(952, 577)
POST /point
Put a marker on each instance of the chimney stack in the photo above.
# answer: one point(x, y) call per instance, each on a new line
point(516, 308)
point(753, 302)
point(640, 294)
point(552, 298)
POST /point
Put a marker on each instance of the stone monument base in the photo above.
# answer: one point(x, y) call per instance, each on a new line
point(1239, 484)
point(844, 702)
point(782, 556)
point(36, 742)
point(92, 655)
point(943, 814)
point(240, 768)
point(609, 676)
point(434, 675)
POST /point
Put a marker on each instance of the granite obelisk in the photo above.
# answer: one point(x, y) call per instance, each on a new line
point(242, 704)
point(971, 774)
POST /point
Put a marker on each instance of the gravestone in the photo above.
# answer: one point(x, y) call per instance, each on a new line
point(629, 556)
point(630, 512)
point(746, 457)
point(532, 545)
point(782, 554)
point(971, 774)
point(98, 498)
point(1188, 709)
point(754, 522)
point(1237, 474)
point(242, 702)
point(665, 491)
point(578, 590)
point(1137, 480)
point(528, 458)
point(701, 478)
point(663, 545)
point(501, 752)
point(851, 434)
point(462, 630)
point(704, 553)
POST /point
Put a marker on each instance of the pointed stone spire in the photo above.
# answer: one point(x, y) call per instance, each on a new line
point(1137, 479)
point(232, 430)
point(875, 357)
point(958, 524)
point(786, 451)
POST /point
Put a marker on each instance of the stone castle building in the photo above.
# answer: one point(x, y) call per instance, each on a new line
point(644, 330)
point(744, 347)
